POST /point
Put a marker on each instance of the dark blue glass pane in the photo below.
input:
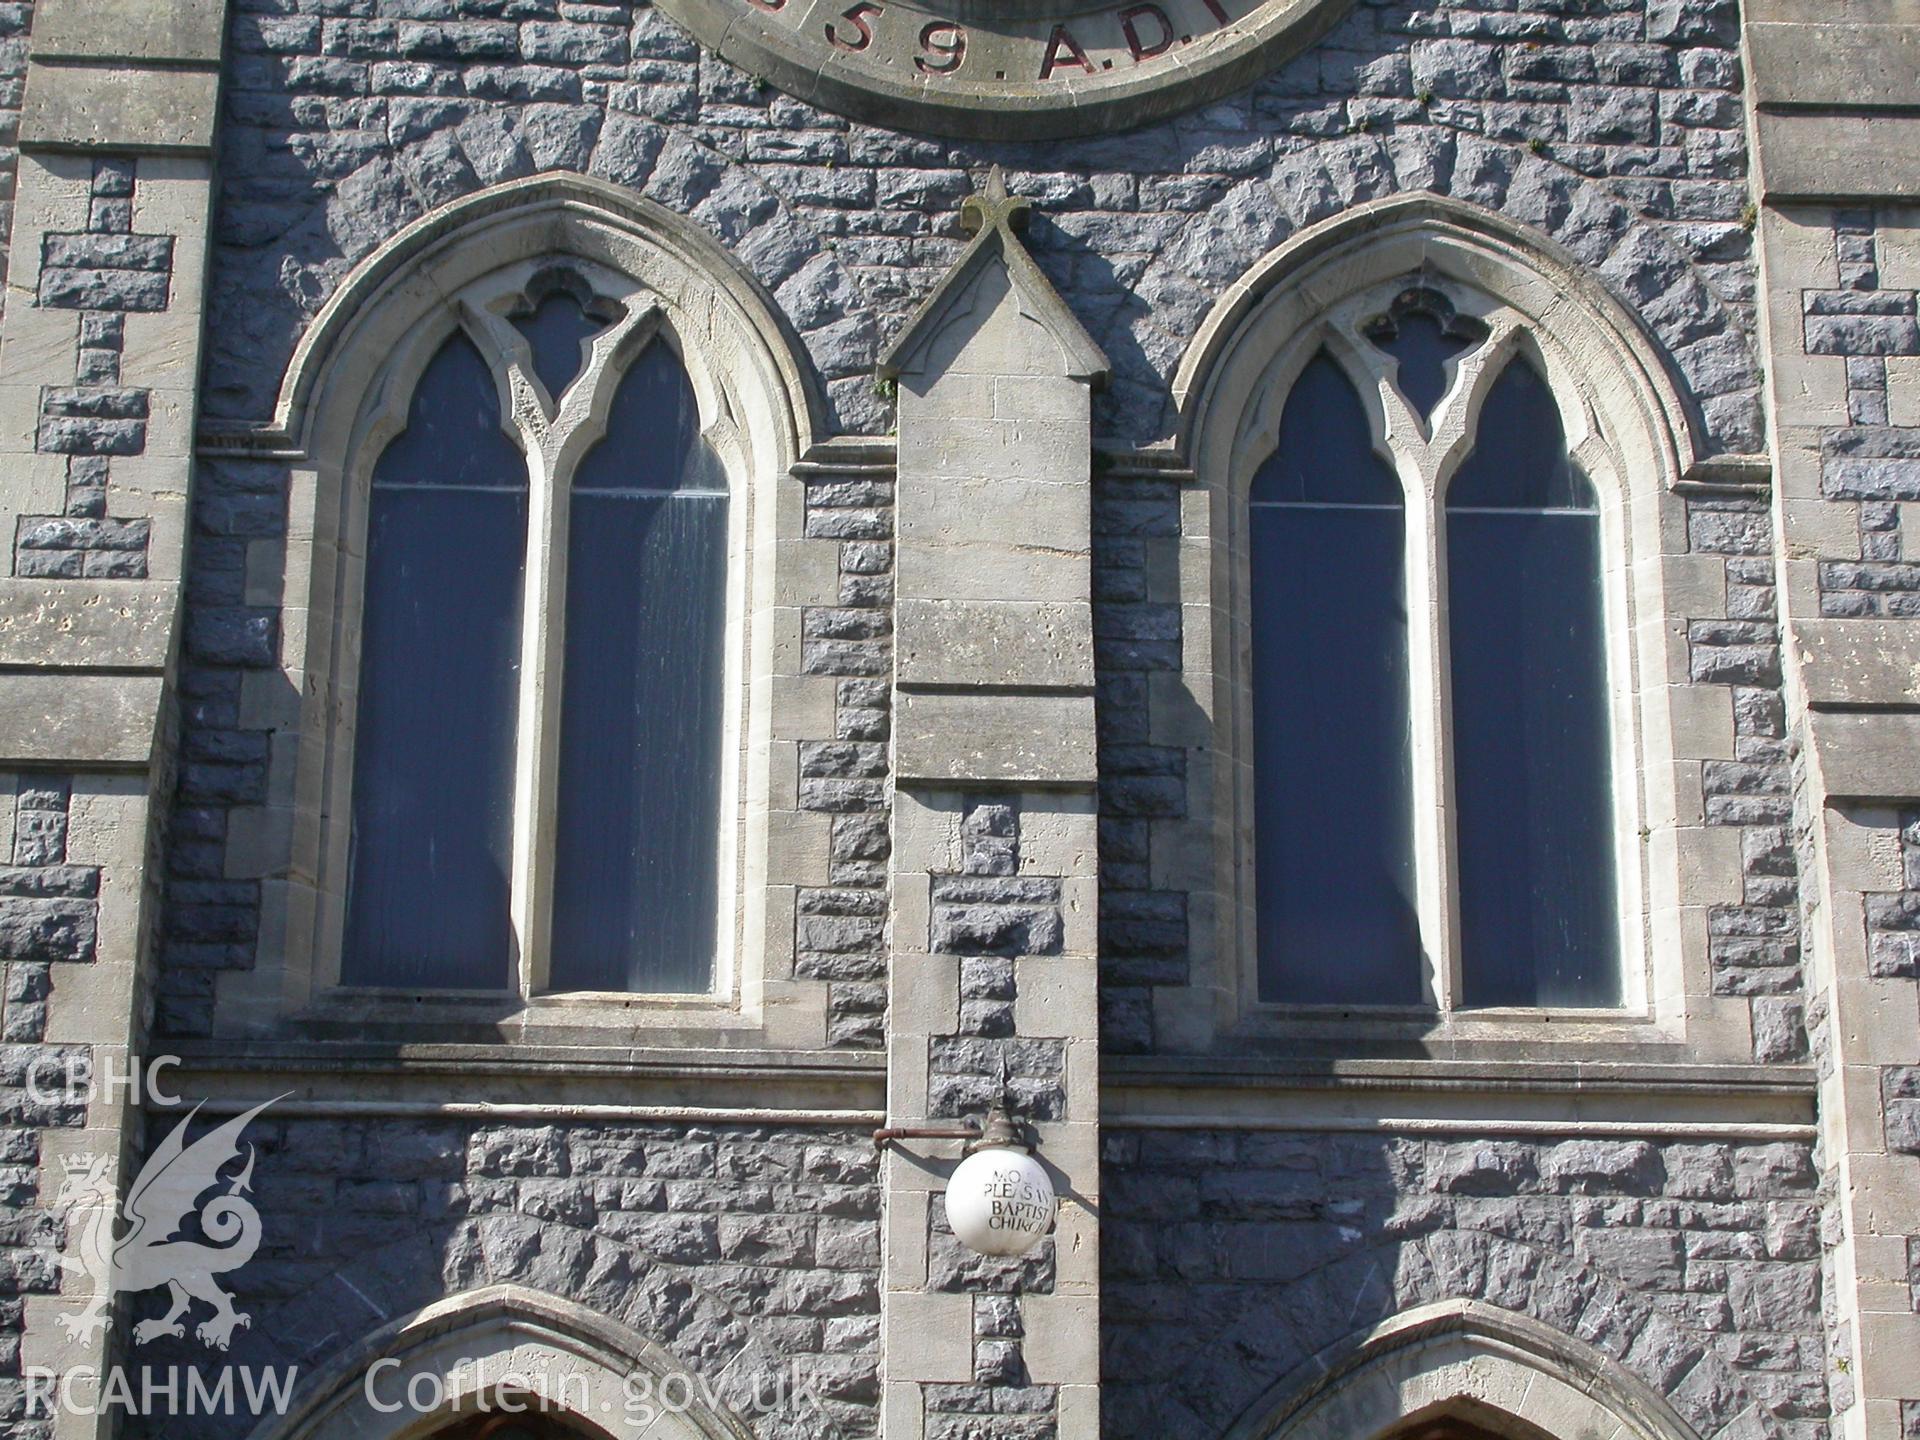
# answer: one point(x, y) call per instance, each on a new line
point(1532, 758)
point(557, 332)
point(1326, 449)
point(428, 889)
point(453, 434)
point(1520, 458)
point(1423, 349)
point(653, 434)
point(636, 897)
point(1332, 774)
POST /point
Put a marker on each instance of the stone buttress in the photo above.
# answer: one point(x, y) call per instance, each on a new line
point(1835, 141)
point(99, 373)
point(994, 848)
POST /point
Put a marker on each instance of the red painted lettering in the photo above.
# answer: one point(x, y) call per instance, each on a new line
point(1130, 19)
point(1217, 10)
point(856, 16)
point(1061, 44)
point(945, 40)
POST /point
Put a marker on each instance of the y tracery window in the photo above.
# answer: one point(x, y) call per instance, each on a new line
point(1434, 720)
point(539, 756)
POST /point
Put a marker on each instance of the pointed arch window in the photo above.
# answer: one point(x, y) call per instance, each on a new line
point(1333, 783)
point(1435, 722)
point(540, 751)
point(635, 899)
point(1532, 769)
point(432, 845)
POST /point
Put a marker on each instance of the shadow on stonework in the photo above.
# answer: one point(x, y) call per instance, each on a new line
point(1100, 285)
point(735, 1266)
point(1241, 1268)
point(1137, 636)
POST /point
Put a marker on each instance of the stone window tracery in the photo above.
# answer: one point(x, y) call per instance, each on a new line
point(1464, 309)
point(642, 395)
point(1433, 698)
point(540, 747)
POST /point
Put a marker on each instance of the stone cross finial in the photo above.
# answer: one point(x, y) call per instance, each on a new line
point(994, 218)
point(991, 205)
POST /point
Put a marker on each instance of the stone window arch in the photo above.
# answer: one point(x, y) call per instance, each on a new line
point(1424, 312)
point(556, 284)
point(1509, 610)
point(541, 654)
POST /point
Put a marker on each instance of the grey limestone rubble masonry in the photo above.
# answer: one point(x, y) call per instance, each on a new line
point(1231, 1258)
point(1616, 130)
point(346, 118)
point(48, 921)
point(743, 1250)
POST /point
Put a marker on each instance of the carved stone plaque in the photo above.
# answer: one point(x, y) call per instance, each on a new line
point(1006, 69)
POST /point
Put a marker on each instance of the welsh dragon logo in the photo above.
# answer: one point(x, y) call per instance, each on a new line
point(161, 1199)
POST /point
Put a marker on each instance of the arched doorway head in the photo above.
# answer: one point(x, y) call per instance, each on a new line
point(497, 1425)
point(504, 1363)
point(1461, 1370)
point(1465, 1420)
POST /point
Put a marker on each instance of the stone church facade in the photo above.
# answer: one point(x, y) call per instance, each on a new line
point(979, 436)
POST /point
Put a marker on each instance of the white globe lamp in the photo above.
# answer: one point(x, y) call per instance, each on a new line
point(1000, 1200)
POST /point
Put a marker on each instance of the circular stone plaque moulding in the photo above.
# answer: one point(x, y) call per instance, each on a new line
point(1007, 69)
